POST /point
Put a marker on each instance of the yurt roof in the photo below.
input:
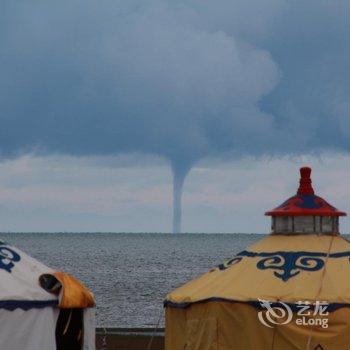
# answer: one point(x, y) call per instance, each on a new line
point(277, 268)
point(27, 283)
point(305, 202)
point(19, 278)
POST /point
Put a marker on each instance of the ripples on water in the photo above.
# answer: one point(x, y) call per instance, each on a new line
point(129, 273)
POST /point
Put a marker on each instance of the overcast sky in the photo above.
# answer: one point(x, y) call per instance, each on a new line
point(193, 87)
point(67, 194)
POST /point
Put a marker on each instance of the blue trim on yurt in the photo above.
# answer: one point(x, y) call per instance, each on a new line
point(26, 304)
point(255, 303)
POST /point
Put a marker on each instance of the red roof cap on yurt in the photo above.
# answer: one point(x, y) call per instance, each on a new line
point(305, 202)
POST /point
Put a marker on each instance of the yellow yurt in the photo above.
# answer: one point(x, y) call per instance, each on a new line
point(290, 290)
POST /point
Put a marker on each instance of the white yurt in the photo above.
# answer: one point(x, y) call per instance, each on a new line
point(42, 309)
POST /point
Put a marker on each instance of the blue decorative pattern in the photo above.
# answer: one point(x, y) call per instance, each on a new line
point(8, 257)
point(228, 263)
point(306, 201)
point(27, 304)
point(290, 264)
point(309, 202)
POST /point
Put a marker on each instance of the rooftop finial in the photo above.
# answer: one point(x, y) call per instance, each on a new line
point(305, 202)
point(305, 187)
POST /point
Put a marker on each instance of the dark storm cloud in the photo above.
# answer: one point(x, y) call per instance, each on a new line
point(178, 80)
point(309, 42)
point(105, 77)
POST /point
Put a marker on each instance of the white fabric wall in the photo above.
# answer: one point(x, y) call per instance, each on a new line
point(28, 330)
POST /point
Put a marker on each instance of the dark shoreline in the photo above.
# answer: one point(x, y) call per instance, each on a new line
point(130, 338)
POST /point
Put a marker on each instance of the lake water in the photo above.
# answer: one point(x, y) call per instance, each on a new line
point(129, 273)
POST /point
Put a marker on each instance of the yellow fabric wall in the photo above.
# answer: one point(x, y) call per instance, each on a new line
point(235, 326)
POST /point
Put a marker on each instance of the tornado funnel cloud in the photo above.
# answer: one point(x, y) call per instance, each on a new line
point(177, 203)
point(179, 175)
